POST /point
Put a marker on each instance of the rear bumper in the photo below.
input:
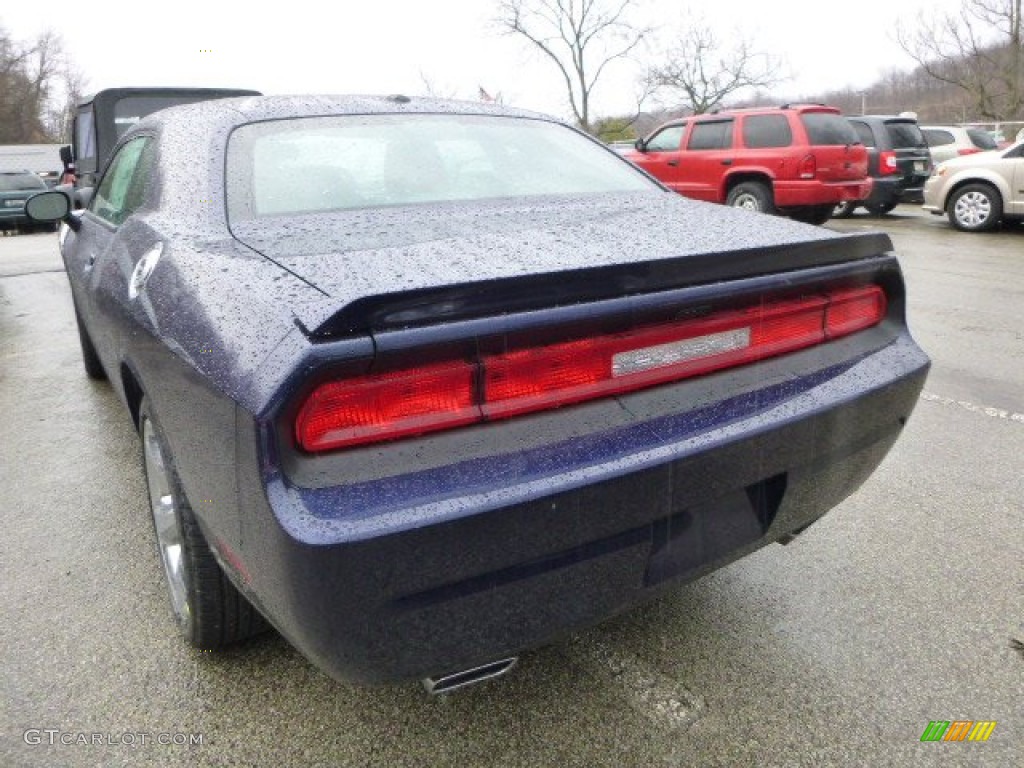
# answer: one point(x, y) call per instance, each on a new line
point(887, 191)
point(790, 194)
point(443, 569)
point(13, 216)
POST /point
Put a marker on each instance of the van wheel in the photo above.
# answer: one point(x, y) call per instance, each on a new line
point(975, 208)
point(752, 196)
point(209, 611)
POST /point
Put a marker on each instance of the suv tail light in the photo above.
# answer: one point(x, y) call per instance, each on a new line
point(808, 167)
point(387, 406)
point(967, 150)
point(887, 164)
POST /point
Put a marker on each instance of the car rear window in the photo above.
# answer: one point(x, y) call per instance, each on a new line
point(982, 139)
point(828, 129)
point(303, 165)
point(905, 134)
point(20, 182)
point(762, 131)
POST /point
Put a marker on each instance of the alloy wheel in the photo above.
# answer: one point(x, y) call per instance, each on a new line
point(164, 509)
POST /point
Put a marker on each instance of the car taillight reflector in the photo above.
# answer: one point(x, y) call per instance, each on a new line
point(967, 150)
point(440, 396)
point(887, 164)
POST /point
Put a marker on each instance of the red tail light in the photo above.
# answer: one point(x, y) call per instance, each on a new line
point(387, 406)
point(887, 164)
point(808, 167)
point(967, 150)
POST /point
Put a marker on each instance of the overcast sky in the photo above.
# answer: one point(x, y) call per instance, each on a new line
point(390, 46)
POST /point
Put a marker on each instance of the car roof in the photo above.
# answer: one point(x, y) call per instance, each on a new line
point(883, 118)
point(247, 109)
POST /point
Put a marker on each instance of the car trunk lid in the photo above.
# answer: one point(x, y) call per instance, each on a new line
point(422, 265)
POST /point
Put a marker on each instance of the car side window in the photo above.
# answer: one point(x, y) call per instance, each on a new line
point(867, 138)
point(121, 192)
point(763, 131)
point(667, 140)
point(937, 138)
point(715, 134)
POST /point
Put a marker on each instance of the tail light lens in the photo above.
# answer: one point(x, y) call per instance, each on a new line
point(387, 406)
point(808, 167)
point(967, 150)
point(887, 164)
point(392, 405)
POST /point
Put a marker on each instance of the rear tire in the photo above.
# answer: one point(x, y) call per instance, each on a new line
point(90, 360)
point(812, 214)
point(752, 196)
point(210, 612)
point(880, 209)
point(975, 208)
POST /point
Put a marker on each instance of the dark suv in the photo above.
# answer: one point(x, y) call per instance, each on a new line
point(899, 162)
point(799, 160)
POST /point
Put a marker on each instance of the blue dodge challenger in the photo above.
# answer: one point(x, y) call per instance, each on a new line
point(425, 384)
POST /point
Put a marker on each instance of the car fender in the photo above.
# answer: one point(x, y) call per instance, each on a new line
point(743, 173)
point(974, 175)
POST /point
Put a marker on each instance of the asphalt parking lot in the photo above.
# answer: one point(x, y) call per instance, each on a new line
point(904, 605)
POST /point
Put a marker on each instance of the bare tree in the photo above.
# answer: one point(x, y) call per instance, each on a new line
point(979, 49)
point(701, 72)
point(581, 37)
point(35, 79)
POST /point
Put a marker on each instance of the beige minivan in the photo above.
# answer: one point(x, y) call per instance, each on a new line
point(978, 191)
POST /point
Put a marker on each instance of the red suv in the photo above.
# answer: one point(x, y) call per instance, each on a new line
point(799, 160)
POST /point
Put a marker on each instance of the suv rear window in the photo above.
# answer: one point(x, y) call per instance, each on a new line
point(760, 131)
point(828, 128)
point(905, 134)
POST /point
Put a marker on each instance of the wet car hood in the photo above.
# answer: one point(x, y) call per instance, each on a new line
point(413, 264)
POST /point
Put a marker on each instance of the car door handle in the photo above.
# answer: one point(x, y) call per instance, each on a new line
point(726, 162)
point(673, 163)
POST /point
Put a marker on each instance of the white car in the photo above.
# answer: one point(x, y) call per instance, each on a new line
point(978, 191)
point(948, 141)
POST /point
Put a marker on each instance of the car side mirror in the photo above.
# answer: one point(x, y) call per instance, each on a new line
point(640, 145)
point(51, 206)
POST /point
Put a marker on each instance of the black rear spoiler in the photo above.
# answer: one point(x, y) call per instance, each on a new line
point(466, 301)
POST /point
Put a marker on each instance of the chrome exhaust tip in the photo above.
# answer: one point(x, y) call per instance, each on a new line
point(452, 682)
